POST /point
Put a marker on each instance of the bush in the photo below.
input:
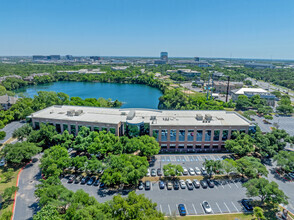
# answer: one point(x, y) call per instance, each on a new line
point(2, 135)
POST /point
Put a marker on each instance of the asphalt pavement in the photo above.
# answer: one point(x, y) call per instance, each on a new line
point(9, 128)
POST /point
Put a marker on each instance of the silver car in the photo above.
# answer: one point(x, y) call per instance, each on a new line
point(182, 184)
point(206, 207)
point(197, 171)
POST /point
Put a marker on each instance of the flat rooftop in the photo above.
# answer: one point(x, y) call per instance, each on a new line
point(152, 116)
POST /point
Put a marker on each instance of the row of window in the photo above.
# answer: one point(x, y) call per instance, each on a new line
point(72, 128)
point(190, 135)
point(191, 146)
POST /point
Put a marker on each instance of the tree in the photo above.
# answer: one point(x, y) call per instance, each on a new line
point(243, 103)
point(213, 166)
point(150, 146)
point(47, 212)
point(64, 140)
point(229, 165)
point(258, 213)
point(22, 132)
point(2, 135)
point(251, 167)
point(132, 207)
point(268, 192)
point(8, 175)
point(44, 137)
point(172, 170)
point(20, 152)
point(8, 192)
point(285, 159)
point(242, 145)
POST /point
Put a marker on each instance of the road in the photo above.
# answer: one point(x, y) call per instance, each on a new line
point(26, 203)
point(9, 128)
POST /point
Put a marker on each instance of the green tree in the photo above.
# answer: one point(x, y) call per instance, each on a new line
point(8, 174)
point(172, 170)
point(2, 135)
point(213, 166)
point(48, 212)
point(242, 145)
point(251, 167)
point(229, 165)
point(258, 213)
point(22, 132)
point(243, 103)
point(285, 159)
point(8, 192)
point(20, 152)
point(150, 146)
point(268, 192)
point(44, 137)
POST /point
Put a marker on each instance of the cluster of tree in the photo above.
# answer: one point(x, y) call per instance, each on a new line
point(285, 105)
point(57, 202)
point(285, 159)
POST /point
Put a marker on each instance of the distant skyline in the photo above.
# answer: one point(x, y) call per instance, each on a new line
point(213, 28)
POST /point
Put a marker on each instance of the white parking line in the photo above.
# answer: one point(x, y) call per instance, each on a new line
point(235, 207)
point(172, 158)
point(160, 208)
point(194, 208)
point(186, 209)
point(235, 184)
point(187, 158)
point(151, 187)
point(169, 209)
point(227, 207)
point(228, 184)
point(199, 158)
point(213, 158)
point(218, 207)
point(202, 208)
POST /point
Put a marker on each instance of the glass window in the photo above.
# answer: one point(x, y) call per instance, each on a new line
point(65, 127)
point(164, 135)
point(73, 129)
point(198, 146)
point(190, 135)
point(181, 135)
point(173, 135)
point(190, 146)
point(208, 135)
point(223, 146)
point(181, 146)
point(104, 129)
point(199, 135)
point(215, 146)
point(155, 134)
point(112, 130)
point(58, 128)
point(233, 134)
point(172, 146)
point(242, 131)
point(216, 135)
point(37, 125)
point(90, 128)
point(80, 127)
point(163, 146)
point(206, 146)
point(96, 129)
point(225, 135)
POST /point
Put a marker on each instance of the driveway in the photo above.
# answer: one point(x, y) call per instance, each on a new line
point(9, 128)
point(26, 203)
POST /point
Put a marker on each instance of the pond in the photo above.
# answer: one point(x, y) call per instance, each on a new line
point(132, 95)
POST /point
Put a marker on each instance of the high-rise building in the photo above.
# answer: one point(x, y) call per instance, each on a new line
point(39, 57)
point(53, 57)
point(69, 57)
point(164, 56)
point(197, 59)
point(95, 58)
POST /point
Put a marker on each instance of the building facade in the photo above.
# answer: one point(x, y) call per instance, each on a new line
point(174, 130)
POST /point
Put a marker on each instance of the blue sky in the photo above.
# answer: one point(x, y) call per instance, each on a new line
point(184, 28)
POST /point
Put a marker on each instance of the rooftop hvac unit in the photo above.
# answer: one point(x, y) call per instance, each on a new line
point(153, 118)
point(208, 117)
point(70, 113)
point(78, 112)
point(131, 115)
point(199, 117)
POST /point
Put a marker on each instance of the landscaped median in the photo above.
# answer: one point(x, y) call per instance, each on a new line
point(232, 216)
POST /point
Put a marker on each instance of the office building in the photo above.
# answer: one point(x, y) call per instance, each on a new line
point(68, 57)
point(95, 58)
point(197, 59)
point(175, 130)
point(164, 56)
point(7, 101)
point(259, 65)
point(221, 86)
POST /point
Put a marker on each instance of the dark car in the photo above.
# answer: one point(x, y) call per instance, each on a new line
point(78, 179)
point(182, 210)
point(84, 180)
point(203, 184)
point(147, 185)
point(91, 181)
point(159, 172)
point(153, 172)
point(96, 183)
point(71, 179)
point(161, 185)
point(102, 186)
point(140, 185)
point(210, 183)
point(247, 204)
point(176, 185)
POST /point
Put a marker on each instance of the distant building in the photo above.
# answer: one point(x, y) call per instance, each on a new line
point(115, 68)
point(82, 71)
point(164, 56)
point(159, 62)
point(39, 57)
point(197, 59)
point(259, 65)
point(53, 57)
point(189, 72)
point(7, 101)
point(221, 86)
point(95, 58)
point(217, 75)
point(32, 76)
point(46, 58)
point(192, 62)
point(249, 92)
point(10, 76)
point(68, 57)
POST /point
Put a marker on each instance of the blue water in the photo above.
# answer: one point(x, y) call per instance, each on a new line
point(132, 95)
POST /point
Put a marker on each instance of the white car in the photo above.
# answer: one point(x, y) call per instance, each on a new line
point(185, 172)
point(204, 172)
point(148, 173)
point(2, 162)
point(206, 207)
point(191, 171)
point(182, 184)
point(197, 171)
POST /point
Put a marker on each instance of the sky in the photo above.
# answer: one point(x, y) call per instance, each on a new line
point(183, 28)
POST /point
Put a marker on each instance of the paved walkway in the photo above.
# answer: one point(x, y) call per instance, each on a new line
point(26, 203)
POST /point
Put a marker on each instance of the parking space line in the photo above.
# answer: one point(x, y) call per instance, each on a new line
point(235, 184)
point(186, 209)
point(173, 158)
point(169, 209)
point(160, 208)
point(227, 207)
point(213, 158)
point(218, 207)
point(200, 158)
point(168, 158)
point(228, 184)
point(235, 207)
point(183, 158)
point(151, 187)
point(186, 158)
point(202, 208)
point(194, 209)
point(195, 158)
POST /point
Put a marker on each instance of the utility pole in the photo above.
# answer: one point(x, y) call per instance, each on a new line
point(228, 86)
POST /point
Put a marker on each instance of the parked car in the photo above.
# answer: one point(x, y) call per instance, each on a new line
point(182, 210)
point(189, 184)
point(148, 172)
point(84, 180)
point(203, 184)
point(91, 181)
point(210, 183)
point(71, 179)
point(140, 185)
point(196, 183)
point(153, 172)
point(185, 172)
point(247, 204)
point(147, 185)
point(78, 179)
point(169, 185)
point(197, 171)
point(70, 150)
point(159, 172)
point(161, 185)
point(176, 185)
point(203, 170)
point(182, 184)
point(2, 162)
point(206, 207)
point(102, 186)
point(96, 183)
point(291, 175)
point(191, 171)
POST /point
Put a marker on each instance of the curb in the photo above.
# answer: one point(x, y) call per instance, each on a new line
point(17, 182)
